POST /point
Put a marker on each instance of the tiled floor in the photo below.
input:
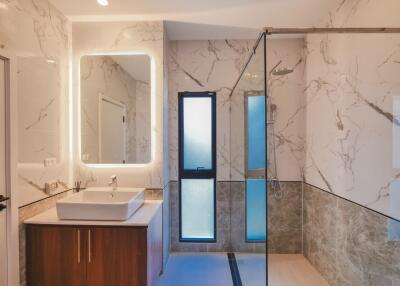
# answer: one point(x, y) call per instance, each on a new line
point(212, 269)
point(197, 269)
point(251, 269)
point(292, 270)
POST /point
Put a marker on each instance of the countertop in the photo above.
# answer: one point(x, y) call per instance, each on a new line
point(142, 217)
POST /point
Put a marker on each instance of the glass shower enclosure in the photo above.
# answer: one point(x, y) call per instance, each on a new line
point(308, 112)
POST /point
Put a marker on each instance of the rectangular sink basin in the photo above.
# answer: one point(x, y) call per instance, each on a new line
point(101, 204)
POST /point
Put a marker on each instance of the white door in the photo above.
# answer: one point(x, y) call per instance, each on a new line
point(112, 139)
point(3, 212)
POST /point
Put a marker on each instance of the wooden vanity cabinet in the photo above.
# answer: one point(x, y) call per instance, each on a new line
point(93, 255)
point(52, 256)
point(117, 256)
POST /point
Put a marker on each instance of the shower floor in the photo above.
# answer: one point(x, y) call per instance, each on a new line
point(203, 269)
point(292, 270)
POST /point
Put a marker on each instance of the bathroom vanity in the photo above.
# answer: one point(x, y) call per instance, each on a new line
point(85, 253)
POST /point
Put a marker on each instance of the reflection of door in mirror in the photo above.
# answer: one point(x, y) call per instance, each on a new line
point(112, 131)
point(118, 79)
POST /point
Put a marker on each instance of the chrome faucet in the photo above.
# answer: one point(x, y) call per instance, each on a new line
point(113, 183)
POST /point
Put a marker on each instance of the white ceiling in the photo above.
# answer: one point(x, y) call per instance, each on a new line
point(204, 19)
point(138, 66)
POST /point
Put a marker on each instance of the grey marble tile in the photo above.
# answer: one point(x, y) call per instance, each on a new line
point(347, 243)
point(238, 218)
point(285, 218)
point(153, 194)
point(319, 231)
point(365, 254)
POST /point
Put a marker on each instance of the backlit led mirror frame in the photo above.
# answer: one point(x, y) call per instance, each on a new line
point(101, 98)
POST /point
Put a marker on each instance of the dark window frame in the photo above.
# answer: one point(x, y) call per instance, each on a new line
point(198, 173)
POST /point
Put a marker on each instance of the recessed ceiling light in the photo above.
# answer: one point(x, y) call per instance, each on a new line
point(103, 2)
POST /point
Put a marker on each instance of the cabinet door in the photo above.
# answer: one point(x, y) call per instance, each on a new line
point(116, 256)
point(53, 256)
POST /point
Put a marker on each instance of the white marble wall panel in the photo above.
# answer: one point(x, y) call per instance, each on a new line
point(252, 81)
point(286, 92)
point(122, 38)
point(38, 35)
point(142, 122)
point(351, 121)
point(205, 66)
point(214, 66)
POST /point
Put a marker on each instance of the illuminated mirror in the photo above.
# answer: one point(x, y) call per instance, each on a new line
point(115, 109)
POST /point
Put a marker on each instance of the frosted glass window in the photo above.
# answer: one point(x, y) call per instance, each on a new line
point(197, 209)
point(256, 209)
point(197, 127)
point(256, 132)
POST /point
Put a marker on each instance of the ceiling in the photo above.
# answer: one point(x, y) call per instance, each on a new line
point(138, 66)
point(204, 19)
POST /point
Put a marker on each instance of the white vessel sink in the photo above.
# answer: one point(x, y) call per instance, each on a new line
point(101, 204)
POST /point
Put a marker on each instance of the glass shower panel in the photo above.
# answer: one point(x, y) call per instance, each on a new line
point(248, 161)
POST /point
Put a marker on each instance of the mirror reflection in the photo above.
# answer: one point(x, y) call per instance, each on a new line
point(115, 109)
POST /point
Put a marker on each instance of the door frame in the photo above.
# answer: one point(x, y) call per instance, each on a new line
point(11, 167)
point(121, 104)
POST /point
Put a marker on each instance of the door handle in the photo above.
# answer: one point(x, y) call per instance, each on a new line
point(89, 246)
point(79, 245)
point(2, 207)
point(3, 198)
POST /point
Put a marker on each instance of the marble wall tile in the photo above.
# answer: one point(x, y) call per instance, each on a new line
point(143, 122)
point(252, 81)
point(285, 218)
point(39, 36)
point(347, 243)
point(214, 66)
point(153, 194)
point(319, 231)
point(365, 254)
point(287, 94)
point(352, 107)
point(205, 66)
